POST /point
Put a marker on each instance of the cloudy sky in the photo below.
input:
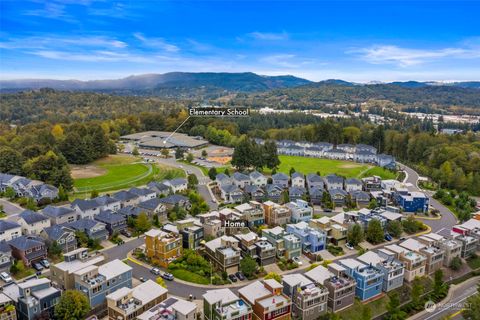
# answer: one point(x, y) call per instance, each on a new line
point(351, 40)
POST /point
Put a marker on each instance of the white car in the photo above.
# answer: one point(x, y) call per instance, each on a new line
point(297, 260)
point(6, 277)
point(349, 246)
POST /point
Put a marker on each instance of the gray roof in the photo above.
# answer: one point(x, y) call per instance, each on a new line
point(272, 187)
point(84, 204)
point(130, 211)
point(173, 199)
point(7, 225)
point(141, 191)
point(109, 217)
point(280, 176)
point(150, 204)
point(104, 200)
point(298, 175)
point(353, 181)
point(338, 191)
point(158, 185)
point(252, 188)
point(26, 242)
point(230, 188)
point(4, 247)
point(31, 217)
point(256, 174)
point(313, 177)
point(125, 195)
point(240, 176)
point(83, 224)
point(332, 178)
point(55, 212)
point(178, 181)
point(296, 191)
point(55, 232)
point(316, 191)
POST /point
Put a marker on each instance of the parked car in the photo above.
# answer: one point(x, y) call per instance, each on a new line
point(232, 277)
point(388, 237)
point(37, 266)
point(240, 275)
point(167, 276)
point(155, 271)
point(142, 279)
point(402, 239)
point(297, 260)
point(126, 233)
point(6, 277)
point(45, 263)
point(349, 246)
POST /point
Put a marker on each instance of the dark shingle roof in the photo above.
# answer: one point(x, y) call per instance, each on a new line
point(338, 191)
point(55, 232)
point(240, 176)
point(280, 176)
point(130, 211)
point(178, 181)
point(297, 175)
point(256, 174)
point(150, 204)
point(26, 242)
point(173, 199)
point(108, 216)
point(353, 181)
point(229, 188)
point(31, 217)
point(83, 224)
point(55, 212)
point(124, 195)
point(141, 191)
point(332, 178)
point(84, 204)
point(7, 225)
point(296, 191)
point(158, 185)
point(104, 200)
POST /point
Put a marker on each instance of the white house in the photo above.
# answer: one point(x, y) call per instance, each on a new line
point(353, 184)
point(177, 185)
point(298, 180)
point(144, 193)
point(241, 180)
point(33, 223)
point(258, 179)
point(9, 230)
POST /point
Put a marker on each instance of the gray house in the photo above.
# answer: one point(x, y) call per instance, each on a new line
point(274, 192)
point(280, 179)
point(62, 235)
point(159, 188)
point(316, 194)
point(5, 256)
point(361, 198)
point(353, 184)
point(314, 180)
point(254, 192)
point(60, 215)
point(153, 207)
point(126, 198)
point(130, 211)
point(114, 222)
point(241, 180)
point(230, 193)
point(333, 181)
point(92, 228)
point(295, 193)
point(338, 196)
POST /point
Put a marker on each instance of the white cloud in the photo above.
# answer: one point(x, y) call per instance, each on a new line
point(268, 36)
point(94, 56)
point(157, 43)
point(49, 42)
point(406, 57)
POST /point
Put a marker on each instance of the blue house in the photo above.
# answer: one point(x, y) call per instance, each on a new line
point(368, 277)
point(412, 201)
point(312, 240)
point(96, 282)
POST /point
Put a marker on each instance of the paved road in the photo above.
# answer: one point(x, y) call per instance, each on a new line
point(120, 252)
point(448, 219)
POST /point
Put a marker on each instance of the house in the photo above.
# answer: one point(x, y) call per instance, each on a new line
point(114, 222)
point(62, 273)
point(222, 179)
point(287, 245)
point(177, 185)
point(274, 192)
point(392, 269)
point(386, 161)
point(108, 203)
point(361, 198)
point(223, 304)
point(373, 183)
point(452, 248)
point(162, 247)
point(314, 152)
point(414, 262)
point(86, 209)
point(171, 308)
point(341, 287)
point(59, 215)
point(314, 180)
point(212, 224)
point(176, 200)
point(258, 179)
point(254, 192)
point(338, 196)
point(192, 236)
point(364, 156)
point(252, 212)
point(7, 308)
point(300, 209)
point(29, 249)
point(469, 245)
point(130, 211)
point(224, 254)
point(309, 299)
point(298, 180)
point(9, 230)
point(6, 258)
point(434, 255)
point(336, 233)
point(291, 150)
point(412, 201)
point(241, 180)
point(267, 300)
point(336, 154)
point(280, 179)
point(275, 214)
point(231, 193)
point(126, 198)
point(295, 193)
point(333, 181)
point(127, 303)
point(154, 207)
point(316, 195)
point(144, 194)
point(265, 252)
point(353, 184)
point(33, 297)
point(369, 278)
point(348, 148)
point(32, 223)
point(61, 235)
point(24, 187)
point(312, 240)
point(159, 188)
point(96, 282)
point(92, 228)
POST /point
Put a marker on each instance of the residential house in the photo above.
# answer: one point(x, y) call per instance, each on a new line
point(224, 254)
point(280, 179)
point(231, 193)
point(338, 196)
point(258, 179)
point(373, 183)
point(154, 207)
point(314, 152)
point(368, 277)
point(412, 201)
point(298, 180)
point(252, 212)
point(333, 181)
point(301, 211)
point(353, 184)
point(144, 194)
point(126, 198)
point(222, 179)
point(265, 252)
point(59, 215)
point(177, 185)
point(275, 214)
point(162, 247)
point(267, 300)
point(287, 245)
point(33, 297)
point(291, 150)
point(452, 248)
point(349, 148)
point(433, 254)
point(240, 179)
point(313, 241)
point(29, 249)
point(254, 192)
point(7, 308)
point(392, 269)
point(127, 303)
point(114, 222)
point(295, 193)
point(9, 230)
point(335, 233)
point(159, 188)
point(32, 223)
point(364, 156)
point(274, 192)
point(6, 258)
point(108, 203)
point(316, 195)
point(360, 198)
point(92, 228)
point(96, 282)
point(341, 287)
point(247, 243)
point(314, 180)
point(228, 215)
point(24, 187)
point(176, 200)
point(469, 245)
point(191, 232)
point(86, 209)
point(386, 161)
point(130, 211)
point(63, 236)
point(336, 154)
point(212, 225)
point(223, 304)
point(309, 299)
point(414, 262)
point(62, 273)
point(171, 308)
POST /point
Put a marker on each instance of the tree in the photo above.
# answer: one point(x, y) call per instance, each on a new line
point(373, 204)
point(395, 228)
point(439, 287)
point(248, 266)
point(161, 282)
point(292, 171)
point(351, 134)
point(327, 200)
point(192, 181)
point(50, 168)
point(275, 276)
point(93, 194)
point(179, 153)
point(374, 232)
point(227, 172)
point(62, 195)
point(57, 132)
point(17, 267)
point(244, 155)
point(165, 152)
point(212, 173)
point(10, 193)
point(189, 157)
point(204, 153)
point(135, 151)
point(456, 263)
point(73, 305)
point(11, 161)
point(54, 250)
point(393, 308)
point(284, 196)
point(142, 223)
point(410, 225)
point(473, 303)
point(355, 234)
point(417, 291)
point(270, 155)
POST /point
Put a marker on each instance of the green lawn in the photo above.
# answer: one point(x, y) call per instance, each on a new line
point(189, 276)
point(123, 172)
point(379, 171)
point(474, 263)
point(378, 307)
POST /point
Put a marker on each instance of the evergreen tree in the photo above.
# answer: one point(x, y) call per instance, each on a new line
point(355, 234)
point(374, 233)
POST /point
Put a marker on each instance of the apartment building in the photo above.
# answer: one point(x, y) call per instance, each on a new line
point(171, 309)
point(127, 303)
point(309, 299)
point(223, 304)
point(301, 211)
point(341, 287)
point(162, 247)
point(392, 269)
point(275, 214)
point(267, 300)
point(224, 253)
point(368, 277)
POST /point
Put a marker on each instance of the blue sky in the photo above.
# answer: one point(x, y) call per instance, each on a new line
point(351, 40)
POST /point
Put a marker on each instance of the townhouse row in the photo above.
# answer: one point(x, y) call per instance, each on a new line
point(24, 187)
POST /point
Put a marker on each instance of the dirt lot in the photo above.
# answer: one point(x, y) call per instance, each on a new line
point(88, 171)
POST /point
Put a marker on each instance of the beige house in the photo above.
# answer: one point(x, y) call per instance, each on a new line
point(33, 223)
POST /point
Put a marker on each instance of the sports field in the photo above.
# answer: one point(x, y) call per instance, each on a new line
point(326, 166)
point(118, 172)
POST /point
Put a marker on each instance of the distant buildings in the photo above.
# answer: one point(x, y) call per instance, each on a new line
point(155, 140)
point(24, 187)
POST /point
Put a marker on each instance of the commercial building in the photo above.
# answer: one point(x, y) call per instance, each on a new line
point(162, 247)
point(156, 140)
